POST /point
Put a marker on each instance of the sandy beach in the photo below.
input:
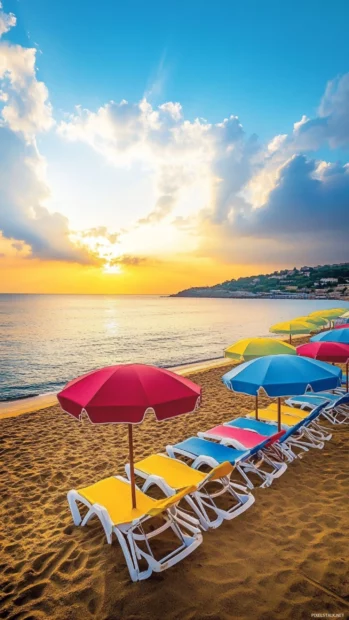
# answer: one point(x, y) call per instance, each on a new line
point(286, 557)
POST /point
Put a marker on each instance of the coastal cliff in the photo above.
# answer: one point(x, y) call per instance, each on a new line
point(320, 282)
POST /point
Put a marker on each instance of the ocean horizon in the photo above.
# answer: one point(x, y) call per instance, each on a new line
point(47, 340)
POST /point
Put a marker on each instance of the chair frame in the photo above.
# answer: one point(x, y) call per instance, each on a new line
point(185, 528)
point(243, 464)
point(200, 501)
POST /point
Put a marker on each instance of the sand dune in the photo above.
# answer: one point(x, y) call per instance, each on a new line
point(285, 558)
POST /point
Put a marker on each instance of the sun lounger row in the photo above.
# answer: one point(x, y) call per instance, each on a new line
point(253, 448)
point(336, 410)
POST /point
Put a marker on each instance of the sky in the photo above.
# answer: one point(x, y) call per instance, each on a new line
point(147, 148)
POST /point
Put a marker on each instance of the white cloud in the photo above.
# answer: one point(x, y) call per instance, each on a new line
point(242, 196)
point(7, 21)
point(27, 109)
point(25, 112)
point(23, 193)
point(247, 188)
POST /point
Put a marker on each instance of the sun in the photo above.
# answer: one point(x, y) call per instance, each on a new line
point(112, 269)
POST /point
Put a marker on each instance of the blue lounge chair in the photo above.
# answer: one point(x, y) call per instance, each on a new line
point(304, 435)
point(253, 425)
point(300, 436)
point(203, 452)
point(336, 410)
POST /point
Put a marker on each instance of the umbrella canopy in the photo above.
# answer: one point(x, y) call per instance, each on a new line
point(331, 313)
point(319, 321)
point(250, 348)
point(282, 375)
point(326, 351)
point(332, 335)
point(335, 352)
point(345, 315)
point(293, 327)
point(341, 326)
point(125, 393)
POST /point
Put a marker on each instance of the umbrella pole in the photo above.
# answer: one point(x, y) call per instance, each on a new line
point(290, 338)
point(279, 414)
point(257, 406)
point(132, 469)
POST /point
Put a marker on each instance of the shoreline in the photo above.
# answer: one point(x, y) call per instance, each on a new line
point(256, 296)
point(31, 404)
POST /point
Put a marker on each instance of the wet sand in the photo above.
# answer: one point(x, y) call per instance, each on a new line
point(284, 558)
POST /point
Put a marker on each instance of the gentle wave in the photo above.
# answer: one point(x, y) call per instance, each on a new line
point(47, 340)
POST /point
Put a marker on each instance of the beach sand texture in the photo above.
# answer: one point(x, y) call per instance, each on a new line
point(286, 557)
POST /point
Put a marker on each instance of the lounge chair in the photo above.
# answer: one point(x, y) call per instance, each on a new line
point(315, 429)
point(110, 501)
point(300, 436)
point(297, 436)
point(253, 425)
point(336, 410)
point(172, 475)
point(290, 416)
point(203, 452)
point(244, 438)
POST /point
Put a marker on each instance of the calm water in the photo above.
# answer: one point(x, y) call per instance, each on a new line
point(45, 340)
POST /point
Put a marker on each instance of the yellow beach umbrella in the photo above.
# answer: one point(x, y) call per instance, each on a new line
point(250, 348)
point(318, 321)
point(293, 328)
point(330, 313)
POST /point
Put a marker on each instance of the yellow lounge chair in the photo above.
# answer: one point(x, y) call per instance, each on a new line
point(110, 500)
point(172, 475)
point(294, 411)
point(272, 416)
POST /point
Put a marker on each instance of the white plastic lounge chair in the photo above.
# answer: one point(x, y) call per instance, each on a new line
point(172, 475)
point(243, 439)
point(290, 416)
point(297, 435)
point(336, 410)
point(110, 501)
point(203, 452)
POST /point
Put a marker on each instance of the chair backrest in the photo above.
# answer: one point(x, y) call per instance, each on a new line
point(304, 422)
point(344, 399)
point(167, 502)
point(275, 438)
point(222, 470)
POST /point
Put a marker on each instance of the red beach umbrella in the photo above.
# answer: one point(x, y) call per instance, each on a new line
point(326, 351)
point(343, 326)
point(125, 393)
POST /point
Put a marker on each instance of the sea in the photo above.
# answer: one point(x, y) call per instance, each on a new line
point(47, 340)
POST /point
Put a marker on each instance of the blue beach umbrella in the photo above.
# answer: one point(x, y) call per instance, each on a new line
point(282, 375)
point(332, 335)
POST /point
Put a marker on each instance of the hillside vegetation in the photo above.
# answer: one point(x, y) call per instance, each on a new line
point(322, 281)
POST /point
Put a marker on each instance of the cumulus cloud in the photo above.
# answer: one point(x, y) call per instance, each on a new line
point(7, 21)
point(23, 192)
point(180, 154)
point(211, 181)
point(250, 191)
point(25, 106)
point(24, 112)
point(330, 127)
